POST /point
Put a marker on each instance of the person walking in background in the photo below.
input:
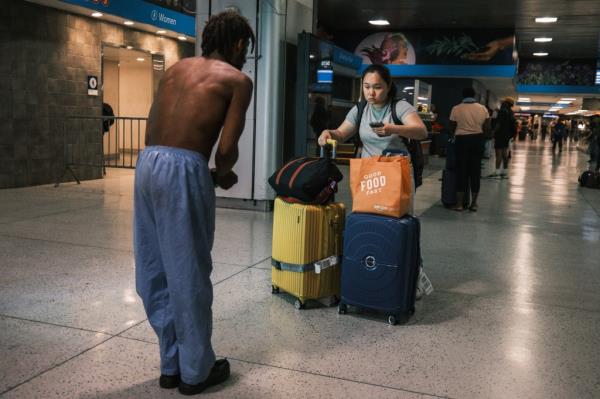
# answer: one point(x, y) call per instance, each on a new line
point(488, 135)
point(558, 136)
point(467, 122)
point(504, 129)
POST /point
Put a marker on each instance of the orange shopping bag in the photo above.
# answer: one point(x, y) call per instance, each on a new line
point(381, 185)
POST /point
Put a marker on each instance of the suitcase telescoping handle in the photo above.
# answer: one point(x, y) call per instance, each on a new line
point(333, 145)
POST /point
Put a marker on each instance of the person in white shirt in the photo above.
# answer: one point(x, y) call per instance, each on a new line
point(467, 121)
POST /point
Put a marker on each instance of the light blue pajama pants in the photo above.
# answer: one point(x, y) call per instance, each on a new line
point(174, 223)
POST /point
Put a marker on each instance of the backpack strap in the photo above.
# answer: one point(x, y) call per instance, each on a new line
point(360, 106)
point(414, 148)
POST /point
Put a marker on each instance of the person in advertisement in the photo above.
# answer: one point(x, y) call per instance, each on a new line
point(200, 101)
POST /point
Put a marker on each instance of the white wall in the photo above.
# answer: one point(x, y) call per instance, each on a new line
point(299, 18)
point(135, 100)
point(111, 96)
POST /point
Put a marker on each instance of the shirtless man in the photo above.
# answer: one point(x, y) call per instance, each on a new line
point(174, 198)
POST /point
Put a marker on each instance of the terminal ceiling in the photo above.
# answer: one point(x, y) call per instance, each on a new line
point(575, 35)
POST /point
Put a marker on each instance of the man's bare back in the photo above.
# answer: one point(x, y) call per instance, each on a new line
point(196, 98)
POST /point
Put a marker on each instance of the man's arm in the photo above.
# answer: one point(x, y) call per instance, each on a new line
point(227, 150)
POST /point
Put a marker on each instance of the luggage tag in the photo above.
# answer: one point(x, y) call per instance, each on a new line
point(425, 283)
point(325, 263)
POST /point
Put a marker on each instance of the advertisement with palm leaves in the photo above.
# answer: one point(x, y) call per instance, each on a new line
point(445, 47)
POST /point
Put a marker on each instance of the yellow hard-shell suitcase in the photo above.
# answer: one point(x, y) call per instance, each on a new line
point(303, 235)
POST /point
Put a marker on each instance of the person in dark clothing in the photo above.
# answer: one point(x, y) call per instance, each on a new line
point(107, 113)
point(504, 130)
point(558, 136)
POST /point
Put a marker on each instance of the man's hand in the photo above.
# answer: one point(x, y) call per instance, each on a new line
point(226, 181)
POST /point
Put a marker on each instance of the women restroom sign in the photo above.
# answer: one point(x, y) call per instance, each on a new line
point(143, 12)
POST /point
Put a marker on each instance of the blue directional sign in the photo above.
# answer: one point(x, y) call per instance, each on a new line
point(142, 12)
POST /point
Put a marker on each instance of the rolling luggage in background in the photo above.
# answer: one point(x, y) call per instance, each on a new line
point(449, 179)
point(449, 190)
point(451, 154)
point(381, 264)
point(303, 235)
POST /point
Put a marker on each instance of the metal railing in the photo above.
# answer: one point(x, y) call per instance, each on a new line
point(93, 143)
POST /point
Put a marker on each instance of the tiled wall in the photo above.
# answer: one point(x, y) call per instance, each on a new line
point(46, 56)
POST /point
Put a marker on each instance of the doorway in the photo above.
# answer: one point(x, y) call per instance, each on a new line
point(130, 79)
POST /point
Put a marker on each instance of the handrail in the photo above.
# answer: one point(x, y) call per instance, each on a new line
point(101, 142)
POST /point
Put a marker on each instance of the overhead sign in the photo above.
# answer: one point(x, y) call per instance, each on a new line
point(143, 12)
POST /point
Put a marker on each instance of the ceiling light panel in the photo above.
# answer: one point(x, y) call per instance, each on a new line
point(379, 22)
point(546, 20)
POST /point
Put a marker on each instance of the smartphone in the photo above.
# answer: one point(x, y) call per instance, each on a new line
point(376, 124)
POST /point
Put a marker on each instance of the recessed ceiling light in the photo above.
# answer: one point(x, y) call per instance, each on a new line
point(379, 22)
point(140, 59)
point(182, 38)
point(97, 14)
point(540, 54)
point(568, 99)
point(129, 47)
point(129, 23)
point(542, 39)
point(546, 20)
point(525, 108)
point(563, 102)
point(161, 32)
point(524, 100)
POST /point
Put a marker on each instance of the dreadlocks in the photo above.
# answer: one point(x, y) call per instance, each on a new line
point(223, 31)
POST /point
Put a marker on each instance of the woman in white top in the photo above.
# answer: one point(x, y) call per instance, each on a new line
point(379, 92)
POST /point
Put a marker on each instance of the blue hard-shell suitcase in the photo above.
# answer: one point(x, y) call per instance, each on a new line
point(381, 264)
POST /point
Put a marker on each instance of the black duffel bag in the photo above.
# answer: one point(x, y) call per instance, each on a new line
point(306, 179)
point(590, 179)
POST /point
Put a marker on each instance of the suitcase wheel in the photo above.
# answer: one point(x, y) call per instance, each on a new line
point(342, 308)
point(392, 320)
point(274, 289)
point(298, 304)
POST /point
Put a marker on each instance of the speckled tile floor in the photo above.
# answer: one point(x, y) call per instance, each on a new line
point(515, 312)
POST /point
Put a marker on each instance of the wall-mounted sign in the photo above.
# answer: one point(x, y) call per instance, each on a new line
point(325, 72)
point(143, 12)
point(92, 82)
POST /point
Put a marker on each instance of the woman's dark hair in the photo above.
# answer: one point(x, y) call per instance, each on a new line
point(385, 74)
point(223, 31)
point(468, 92)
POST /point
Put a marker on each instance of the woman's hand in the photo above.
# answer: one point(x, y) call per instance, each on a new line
point(385, 130)
point(325, 135)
